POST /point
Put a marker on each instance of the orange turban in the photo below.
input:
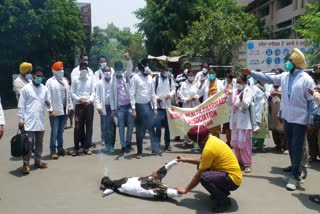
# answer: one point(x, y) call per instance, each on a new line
point(57, 66)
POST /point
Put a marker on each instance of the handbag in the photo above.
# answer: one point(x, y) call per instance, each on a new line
point(20, 144)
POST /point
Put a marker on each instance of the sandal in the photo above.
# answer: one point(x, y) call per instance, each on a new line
point(247, 169)
point(315, 198)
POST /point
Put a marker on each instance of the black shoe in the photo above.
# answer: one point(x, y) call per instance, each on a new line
point(129, 148)
point(62, 152)
point(167, 148)
point(222, 205)
point(92, 145)
point(287, 169)
point(304, 173)
point(123, 150)
point(177, 138)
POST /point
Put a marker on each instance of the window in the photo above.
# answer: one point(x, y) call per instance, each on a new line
point(284, 3)
point(285, 24)
point(264, 11)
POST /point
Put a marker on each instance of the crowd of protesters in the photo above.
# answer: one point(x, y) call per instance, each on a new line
point(284, 102)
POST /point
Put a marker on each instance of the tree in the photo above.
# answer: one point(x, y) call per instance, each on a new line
point(219, 32)
point(113, 42)
point(308, 27)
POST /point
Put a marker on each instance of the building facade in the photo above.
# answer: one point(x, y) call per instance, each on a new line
point(277, 15)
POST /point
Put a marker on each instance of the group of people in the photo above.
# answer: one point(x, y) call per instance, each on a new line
point(284, 102)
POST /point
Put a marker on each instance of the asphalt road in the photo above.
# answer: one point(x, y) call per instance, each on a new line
point(71, 184)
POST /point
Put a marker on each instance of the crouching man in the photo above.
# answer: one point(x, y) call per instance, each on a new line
point(218, 169)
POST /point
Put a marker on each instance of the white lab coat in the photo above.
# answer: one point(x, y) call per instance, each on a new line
point(204, 90)
point(242, 114)
point(260, 99)
point(2, 120)
point(31, 107)
point(55, 96)
point(164, 89)
point(188, 90)
point(201, 75)
point(19, 83)
point(101, 94)
point(75, 74)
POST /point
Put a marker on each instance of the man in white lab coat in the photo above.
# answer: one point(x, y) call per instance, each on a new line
point(60, 98)
point(31, 111)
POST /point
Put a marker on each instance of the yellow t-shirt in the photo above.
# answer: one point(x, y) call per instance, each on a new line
point(217, 156)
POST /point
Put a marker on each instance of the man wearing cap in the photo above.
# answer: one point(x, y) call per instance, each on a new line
point(31, 111)
point(218, 168)
point(60, 98)
point(296, 108)
point(23, 78)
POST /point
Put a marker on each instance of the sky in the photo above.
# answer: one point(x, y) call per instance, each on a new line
point(118, 12)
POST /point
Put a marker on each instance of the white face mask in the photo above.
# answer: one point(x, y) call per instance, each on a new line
point(59, 74)
point(239, 87)
point(165, 74)
point(103, 65)
point(83, 74)
point(190, 78)
point(28, 76)
point(204, 70)
point(185, 71)
point(107, 75)
point(146, 70)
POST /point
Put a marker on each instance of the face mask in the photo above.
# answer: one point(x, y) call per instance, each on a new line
point(190, 78)
point(146, 70)
point(170, 70)
point(212, 76)
point(87, 62)
point(37, 80)
point(119, 73)
point(28, 76)
point(103, 65)
point(165, 74)
point(83, 74)
point(288, 65)
point(107, 75)
point(239, 87)
point(204, 70)
point(59, 74)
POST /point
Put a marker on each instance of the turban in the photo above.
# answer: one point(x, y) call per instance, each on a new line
point(198, 134)
point(57, 66)
point(25, 68)
point(298, 58)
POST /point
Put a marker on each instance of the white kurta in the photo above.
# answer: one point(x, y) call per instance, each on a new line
point(2, 120)
point(31, 107)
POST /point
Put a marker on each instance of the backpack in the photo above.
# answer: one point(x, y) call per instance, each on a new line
point(20, 144)
point(157, 82)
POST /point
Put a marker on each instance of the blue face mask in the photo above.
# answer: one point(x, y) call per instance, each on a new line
point(119, 73)
point(37, 80)
point(288, 65)
point(212, 76)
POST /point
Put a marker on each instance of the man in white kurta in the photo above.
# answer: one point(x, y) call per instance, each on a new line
point(31, 111)
point(2, 120)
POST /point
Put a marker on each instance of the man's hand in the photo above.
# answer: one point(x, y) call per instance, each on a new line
point(52, 114)
point(193, 98)
point(159, 100)
point(180, 159)
point(100, 111)
point(245, 71)
point(134, 114)
point(181, 190)
point(113, 113)
point(82, 102)
point(1, 131)
point(280, 120)
point(126, 56)
point(21, 125)
point(167, 97)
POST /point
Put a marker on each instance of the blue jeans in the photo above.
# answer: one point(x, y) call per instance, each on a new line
point(296, 135)
point(57, 128)
point(125, 119)
point(108, 128)
point(145, 118)
point(162, 119)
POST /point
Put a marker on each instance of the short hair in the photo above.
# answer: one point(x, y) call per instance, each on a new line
point(142, 63)
point(101, 56)
point(82, 55)
point(37, 68)
point(243, 77)
point(118, 64)
point(280, 70)
point(83, 64)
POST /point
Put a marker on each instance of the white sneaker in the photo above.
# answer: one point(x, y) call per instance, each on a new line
point(292, 184)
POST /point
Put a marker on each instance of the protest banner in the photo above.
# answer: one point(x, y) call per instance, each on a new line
point(214, 111)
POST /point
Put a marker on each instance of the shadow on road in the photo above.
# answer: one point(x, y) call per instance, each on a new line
point(304, 199)
point(202, 203)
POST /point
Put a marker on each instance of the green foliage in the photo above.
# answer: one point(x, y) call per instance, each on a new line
point(308, 27)
point(113, 43)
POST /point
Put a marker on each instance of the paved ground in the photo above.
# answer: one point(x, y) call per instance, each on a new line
point(70, 184)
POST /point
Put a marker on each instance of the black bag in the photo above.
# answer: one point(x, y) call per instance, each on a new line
point(20, 144)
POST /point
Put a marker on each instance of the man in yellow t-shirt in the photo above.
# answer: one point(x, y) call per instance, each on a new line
point(219, 171)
